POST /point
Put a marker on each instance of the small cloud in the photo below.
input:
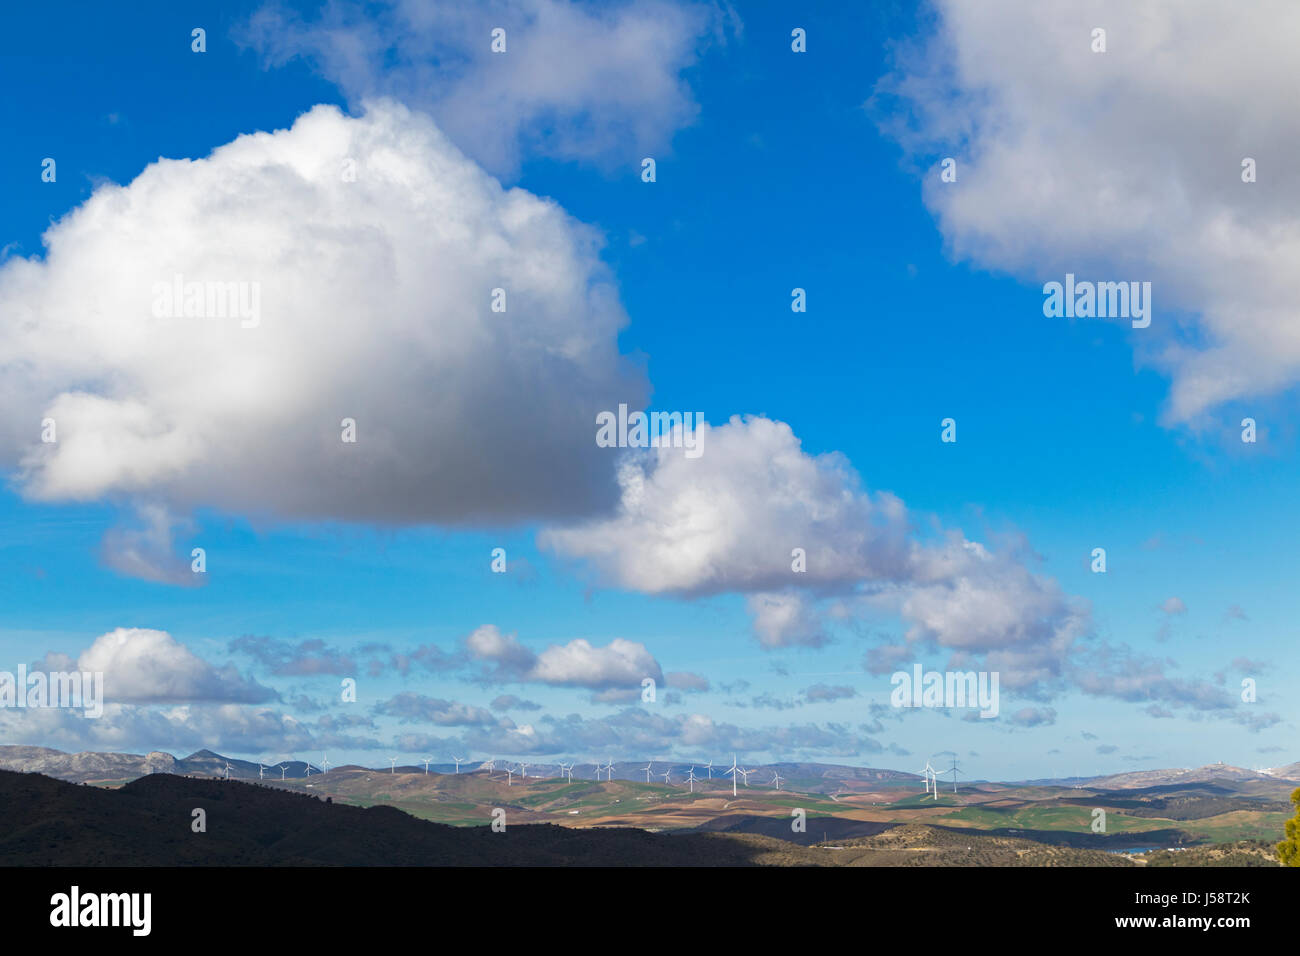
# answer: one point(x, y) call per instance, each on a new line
point(148, 550)
point(616, 695)
point(886, 658)
point(821, 693)
point(771, 702)
point(1174, 605)
point(1255, 722)
point(511, 702)
point(1034, 717)
point(409, 707)
point(686, 681)
point(284, 658)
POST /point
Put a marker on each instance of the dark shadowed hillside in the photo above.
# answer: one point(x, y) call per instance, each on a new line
point(817, 830)
point(148, 823)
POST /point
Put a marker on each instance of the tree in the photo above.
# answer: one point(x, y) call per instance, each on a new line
point(1288, 851)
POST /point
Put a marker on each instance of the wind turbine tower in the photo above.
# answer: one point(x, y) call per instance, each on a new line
point(930, 777)
point(734, 769)
point(952, 770)
point(646, 768)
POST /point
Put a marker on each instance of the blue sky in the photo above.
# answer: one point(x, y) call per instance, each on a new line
point(787, 172)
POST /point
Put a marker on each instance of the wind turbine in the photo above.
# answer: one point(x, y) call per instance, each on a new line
point(227, 769)
point(567, 770)
point(261, 771)
point(509, 776)
point(459, 761)
point(609, 769)
point(324, 762)
point(646, 768)
point(709, 768)
point(523, 770)
point(283, 768)
point(929, 772)
point(427, 760)
point(734, 769)
point(745, 773)
point(776, 779)
point(392, 765)
point(952, 770)
point(665, 775)
point(690, 778)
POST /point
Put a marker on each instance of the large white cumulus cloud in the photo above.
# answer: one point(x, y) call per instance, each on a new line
point(1125, 165)
point(731, 520)
point(375, 305)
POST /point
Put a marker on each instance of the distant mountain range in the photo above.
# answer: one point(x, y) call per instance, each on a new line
point(91, 766)
point(1215, 771)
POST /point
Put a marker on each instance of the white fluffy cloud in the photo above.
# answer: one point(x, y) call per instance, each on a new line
point(973, 601)
point(579, 663)
point(785, 619)
point(729, 520)
point(147, 666)
point(375, 305)
point(585, 81)
point(1124, 165)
